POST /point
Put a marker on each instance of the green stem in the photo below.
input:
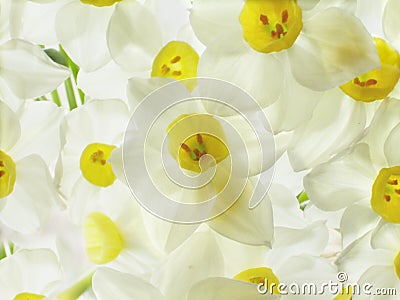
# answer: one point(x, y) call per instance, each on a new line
point(77, 289)
point(82, 96)
point(56, 97)
point(303, 199)
point(6, 249)
point(75, 70)
point(2, 252)
point(70, 94)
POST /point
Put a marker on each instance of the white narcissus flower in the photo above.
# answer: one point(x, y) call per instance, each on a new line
point(29, 274)
point(198, 258)
point(100, 205)
point(293, 259)
point(340, 117)
point(90, 134)
point(172, 52)
point(363, 179)
point(28, 140)
point(252, 226)
point(162, 55)
point(110, 234)
point(374, 260)
point(246, 40)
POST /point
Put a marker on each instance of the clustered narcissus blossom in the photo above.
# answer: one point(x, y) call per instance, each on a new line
point(325, 73)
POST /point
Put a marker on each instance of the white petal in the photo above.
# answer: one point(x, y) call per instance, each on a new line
point(28, 207)
point(255, 138)
point(327, 54)
point(311, 8)
point(286, 208)
point(244, 256)
point(82, 199)
point(105, 83)
point(306, 269)
point(359, 256)
point(285, 175)
point(42, 1)
point(81, 30)
point(290, 242)
point(172, 15)
point(32, 271)
point(306, 5)
point(380, 277)
point(295, 105)
point(213, 20)
point(258, 74)
point(219, 288)
point(10, 129)
point(11, 20)
point(165, 235)
point(391, 153)
point(249, 226)
point(129, 44)
point(385, 119)
point(8, 97)
point(186, 34)
point(38, 22)
point(28, 70)
point(386, 236)
point(370, 13)
point(71, 249)
point(197, 259)
point(105, 122)
point(342, 181)
point(391, 22)
point(337, 122)
point(356, 221)
point(110, 284)
point(40, 131)
point(140, 88)
point(332, 218)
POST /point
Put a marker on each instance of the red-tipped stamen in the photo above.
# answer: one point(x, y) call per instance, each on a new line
point(371, 82)
point(199, 138)
point(264, 19)
point(186, 147)
point(175, 59)
point(285, 16)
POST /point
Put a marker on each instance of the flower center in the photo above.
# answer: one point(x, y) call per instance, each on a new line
point(28, 296)
point(94, 165)
point(270, 25)
point(103, 241)
point(198, 135)
point(177, 60)
point(8, 175)
point(397, 265)
point(100, 2)
point(385, 199)
point(378, 83)
point(260, 275)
